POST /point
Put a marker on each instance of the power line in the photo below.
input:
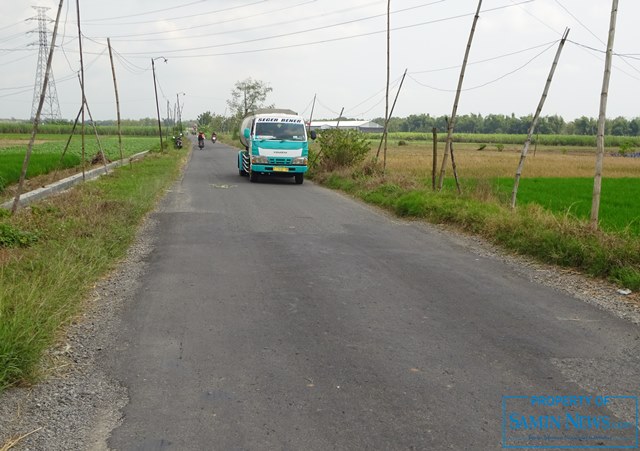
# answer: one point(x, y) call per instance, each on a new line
point(146, 13)
point(430, 22)
point(293, 33)
point(190, 16)
point(489, 82)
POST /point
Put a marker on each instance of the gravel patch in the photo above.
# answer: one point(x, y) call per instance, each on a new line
point(77, 405)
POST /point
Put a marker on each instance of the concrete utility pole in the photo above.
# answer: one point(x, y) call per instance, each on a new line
point(597, 180)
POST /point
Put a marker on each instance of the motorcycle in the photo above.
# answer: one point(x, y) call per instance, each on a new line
point(214, 138)
point(201, 143)
point(178, 141)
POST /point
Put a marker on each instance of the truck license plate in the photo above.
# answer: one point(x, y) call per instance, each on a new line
point(280, 169)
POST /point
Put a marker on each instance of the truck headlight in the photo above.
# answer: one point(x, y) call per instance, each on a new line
point(299, 160)
point(259, 159)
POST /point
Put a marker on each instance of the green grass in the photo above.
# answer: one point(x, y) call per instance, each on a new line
point(46, 157)
point(619, 203)
point(55, 251)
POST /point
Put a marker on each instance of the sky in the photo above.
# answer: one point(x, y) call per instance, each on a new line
point(334, 50)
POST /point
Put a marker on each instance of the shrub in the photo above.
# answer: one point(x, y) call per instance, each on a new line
point(342, 148)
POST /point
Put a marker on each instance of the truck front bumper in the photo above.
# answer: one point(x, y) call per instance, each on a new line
point(278, 170)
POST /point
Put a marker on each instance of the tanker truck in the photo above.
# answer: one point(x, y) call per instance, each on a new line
point(275, 143)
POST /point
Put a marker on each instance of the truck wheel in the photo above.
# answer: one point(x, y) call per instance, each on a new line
point(253, 176)
point(299, 179)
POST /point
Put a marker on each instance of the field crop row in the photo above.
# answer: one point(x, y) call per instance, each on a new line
point(47, 154)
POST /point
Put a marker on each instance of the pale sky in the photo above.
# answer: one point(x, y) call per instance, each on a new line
point(334, 49)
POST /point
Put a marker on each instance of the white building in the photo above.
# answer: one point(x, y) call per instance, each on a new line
point(363, 126)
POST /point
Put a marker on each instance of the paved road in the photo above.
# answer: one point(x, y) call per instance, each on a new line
point(276, 316)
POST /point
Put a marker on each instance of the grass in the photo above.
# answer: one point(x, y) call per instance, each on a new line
point(56, 250)
point(47, 153)
point(619, 208)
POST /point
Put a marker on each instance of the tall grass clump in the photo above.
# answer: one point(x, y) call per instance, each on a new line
point(65, 244)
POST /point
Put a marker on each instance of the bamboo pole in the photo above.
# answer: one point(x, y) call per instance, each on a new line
point(95, 131)
point(447, 146)
point(313, 105)
point(386, 106)
point(534, 122)
point(36, 119)
point(73, 129)
point(83, 103)
point(597, 180)
point(386, 122)
point(434, 166)
point(115, 88)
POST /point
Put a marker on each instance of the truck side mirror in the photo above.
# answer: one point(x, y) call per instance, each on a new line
point(247, 133)
point(313, 134)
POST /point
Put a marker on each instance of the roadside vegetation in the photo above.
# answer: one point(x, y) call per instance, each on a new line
point(52, 254)
point(554, 199)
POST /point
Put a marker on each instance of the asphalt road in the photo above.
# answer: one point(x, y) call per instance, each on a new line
point(276, 316)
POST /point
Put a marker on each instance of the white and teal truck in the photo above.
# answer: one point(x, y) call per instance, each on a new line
point(275, 143)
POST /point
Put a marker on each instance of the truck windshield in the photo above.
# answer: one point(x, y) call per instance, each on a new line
point(280, 131)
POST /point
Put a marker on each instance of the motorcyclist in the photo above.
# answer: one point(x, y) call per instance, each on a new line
point(201, 139)
point(214, 137)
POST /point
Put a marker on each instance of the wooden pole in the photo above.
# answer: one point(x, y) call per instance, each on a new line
point(313, 105)
point(386, 107)
point(155, 88)
point(536, 116)
point(36, 119)
point(95, 131)
point(82, 88)
point(115, 88)
point(339, 117)
point(434, 165)
point(447, 145)
point(597, 180)
point(386, 122)
point(453, 166)
point(73, 129)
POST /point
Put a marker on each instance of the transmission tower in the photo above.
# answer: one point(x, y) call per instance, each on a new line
point(51, 107)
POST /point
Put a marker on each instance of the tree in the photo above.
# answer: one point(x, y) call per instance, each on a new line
point(248, 95)
point(204, 119)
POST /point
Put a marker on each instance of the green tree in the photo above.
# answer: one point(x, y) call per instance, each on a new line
point(248, 95)
point(204, 119)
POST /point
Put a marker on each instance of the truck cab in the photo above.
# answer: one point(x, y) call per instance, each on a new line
point(275, 144)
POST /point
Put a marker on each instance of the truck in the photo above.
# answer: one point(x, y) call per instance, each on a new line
point(275, 144)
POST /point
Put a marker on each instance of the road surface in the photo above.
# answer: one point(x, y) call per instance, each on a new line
point(276, 316)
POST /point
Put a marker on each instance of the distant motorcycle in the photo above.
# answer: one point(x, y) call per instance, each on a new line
point(178, 141)
point(214, 138)
point(201, 143)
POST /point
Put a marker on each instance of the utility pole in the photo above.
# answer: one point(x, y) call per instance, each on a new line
point(597, 180)
point(115, 87)
point(386, 102)
point(84, 101)
point(534, 122)
point(452, 120)
point(155, 88)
